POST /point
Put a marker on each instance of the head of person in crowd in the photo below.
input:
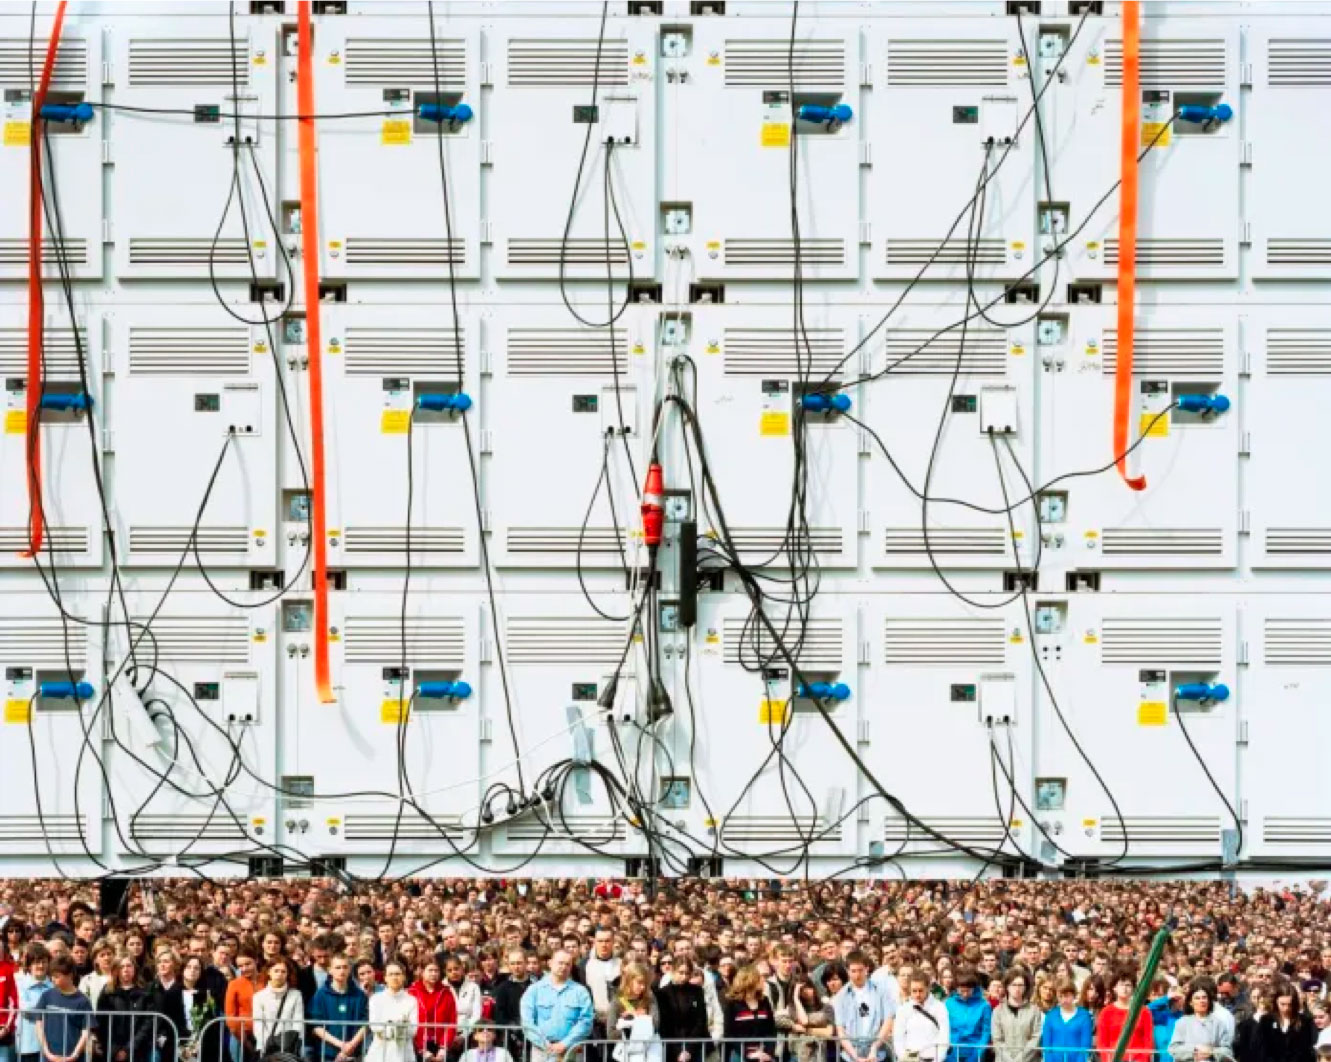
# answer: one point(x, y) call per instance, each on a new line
point(835, 977)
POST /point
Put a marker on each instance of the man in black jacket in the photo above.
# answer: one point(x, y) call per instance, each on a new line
point(508, 994)
point(168, 1001)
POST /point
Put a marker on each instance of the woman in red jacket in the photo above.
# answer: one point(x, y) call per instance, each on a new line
point(439, 1013)
point(1109, 1025)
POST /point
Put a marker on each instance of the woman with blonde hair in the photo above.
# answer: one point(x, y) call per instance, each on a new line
point(634, 1018)
point(750, 1020)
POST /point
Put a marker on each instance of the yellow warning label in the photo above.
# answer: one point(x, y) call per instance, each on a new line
point(1090, 824)
point(18, 134)
point(16, 421)
point(1151, 130)
point(1015, 638)
point(394, 711)
point(776, 134)
point(394, 422)
point(774, 423)
point(334, 636)
point(1154, 426)
point(1152, 713)
point(260, 60)
point(1090, 637)
point(712, 348)
point(395, 131)
point(639, 59)
point(1092, 534)
point(770, 711)
point(1017, 350)
point(16, 711)
point(335, 59)
point(261, 347)
point(1018, 60)
point(638, 245)
point(335, 346)
point(638, 348)
point(1093, 59)
point(713, 60)
point(1017, 824)
point(260, 636)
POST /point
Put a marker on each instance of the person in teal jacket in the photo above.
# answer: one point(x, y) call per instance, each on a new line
point(1068, 1032)
point(1166, 1009)
point(968, 1016)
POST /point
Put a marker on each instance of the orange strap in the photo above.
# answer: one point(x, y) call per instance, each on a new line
point(36, 305)
point(1127, 236)
point(309, 249)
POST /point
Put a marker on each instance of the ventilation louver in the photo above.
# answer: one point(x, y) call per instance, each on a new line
point(918, 253)
point(817, 645)
point(43, 641)
point(40, 829)
point(564, 640)
point(1298, 62)
point(1286, 541)
point(1164, 641)
point(567, 542)
point(431, 641)
point(1170, 352)
point(923, 63)
point(1155, 830)
point(594, 829)
point(961, 640)
point(392, 351)
point(405, 251)
point(1303, 641)
point(72, 541)
point(366, 828)
point(777, 830)
point(1300, 831)
point(1171, 63)
point(182, 251)
point(983, 353)
point(199, 351)
point(209, 639)
point(359, 539)
point(1298, 351)
point(567, 351)
point(1298, 251)
point(215, 541)
point(161, 62)
point(175, 827)
point(816, 64)
point(947, 542)
point(414, 62)
point(575, 251)
point(1162, 542)
point(14, 252)
point(777, 253)
point(981, 833)
point(60, 360)
point(21, 63)
point(1201, 252)
point(772, 352)
point(774, 545)
point(567, 63)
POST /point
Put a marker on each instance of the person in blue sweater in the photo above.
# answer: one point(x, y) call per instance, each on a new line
point(1166, 1007)
point(1069, 1030)
point(968, 1016)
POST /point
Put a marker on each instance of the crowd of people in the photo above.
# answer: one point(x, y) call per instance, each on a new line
point(687, 971)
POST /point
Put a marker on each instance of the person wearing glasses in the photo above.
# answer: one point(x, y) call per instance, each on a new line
point(864, 1014)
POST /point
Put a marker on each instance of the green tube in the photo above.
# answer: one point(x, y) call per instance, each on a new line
point(1143, 989)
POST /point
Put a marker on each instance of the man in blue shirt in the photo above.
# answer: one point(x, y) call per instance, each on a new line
point(65, 1023)
point(863, 1014)
point(556, 1011)
point(338, 1013)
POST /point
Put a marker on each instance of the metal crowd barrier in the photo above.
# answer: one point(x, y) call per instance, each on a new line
point(101, 1035)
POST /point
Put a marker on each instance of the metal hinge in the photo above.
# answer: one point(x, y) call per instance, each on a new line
point(106, 230)
point(861, 816)
point(866, 153)
point(1241, 654)
point(862, 731)
point(1243, 732)
point(1245, 363)
point(866, 75)
point(866, 232)
point(1245, 75)
point(1245, 443)
point(862, 524)
point(1245, 153)
point(487, 232)
point(108, 441)
point(487, 74)
point(484, 650)
point(487, 730)
point(1245, 232)
point(106, 153)
point(486, 439)
point(863, 435)
point(487, 152)
point(108, 362)
point(1245, 521)
point(485, 520)
point(864, 652)
point(486, 360)
point(108, 74)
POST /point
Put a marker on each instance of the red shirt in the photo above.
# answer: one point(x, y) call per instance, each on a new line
point(439, 1014)
point(1109, 1027)
point(8, 995)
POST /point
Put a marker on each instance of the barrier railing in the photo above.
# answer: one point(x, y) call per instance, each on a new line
point(114, 1033)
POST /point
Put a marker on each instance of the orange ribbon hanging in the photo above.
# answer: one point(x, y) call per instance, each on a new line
point(309, 249)
point(1127, 236)
point(36, 305)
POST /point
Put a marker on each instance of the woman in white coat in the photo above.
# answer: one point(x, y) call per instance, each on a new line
point(394, 1016)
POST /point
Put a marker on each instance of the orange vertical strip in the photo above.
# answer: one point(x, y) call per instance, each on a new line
point(36, 305)
point(1130, 139)
point(309, 249)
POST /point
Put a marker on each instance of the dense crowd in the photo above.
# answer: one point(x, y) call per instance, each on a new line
point(737, 971)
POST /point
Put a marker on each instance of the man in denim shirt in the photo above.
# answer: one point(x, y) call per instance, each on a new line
point(556, 1012)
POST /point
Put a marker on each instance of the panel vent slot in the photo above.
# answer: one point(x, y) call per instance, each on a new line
point(565, 540)
point(578, 251)
point(1160, 251)
point(1298, 351)
point(1285, 829)
point(1298, 61)
point(33, 829)
point(947, 541)
point(1171, 63)
point(14, 253)
point(566, 63)
point(1164, 641)
point(219, 541)
point(919, 253)
point(818, 64)
point(425, 541)
point(747, 641)
point(405, 62)
point(770, 544)
point(772, 352)
point(189, 351)
point(213, 639)
point(1162, 542)
point(405, 251)
point(922, 63)
point(1160, 829)
point(956, 640)
point(157, 62)
point(59, 354)
point(780, 253)
point(1303, 641)
point(21, 63)
point(984, 353)
point(387, 351)
point(1283, 541)
point(594, 829)
point(67, 540)
point(1170, 352)
point(976, 832)
point(42, 641)
point(186, 251)
point(175, 827)
point(780, 830)
point(367, 828)
point(567, 351)
point(564, 640)
point(1298, 251)
point(431, 641)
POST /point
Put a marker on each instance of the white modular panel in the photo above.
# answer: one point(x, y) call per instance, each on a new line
point(195, 393)
point(567, 413)
point(1113, 662)
point(939, 670)
point(560, 657)
point(545, 72)
point(52, 800)
point(381, 192)
point(920, 354)
point(71, 504)
point(732, 136)
point(955, 93)
point(1187, 516)
point(187, 202)
point(1188, 211)
point(348, 753)
point(1290, 384)
point(768, 805)
point(194, 766)
point(752, 366)
point(1287, 729)
point(378, 362)
point(1291, 88)
point(74, 152)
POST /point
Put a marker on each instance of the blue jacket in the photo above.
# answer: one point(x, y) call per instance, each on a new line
point(561, 1014)
point(969, 1020)
point(340, 1014)
point(1163, 1020)
point(29, 992)
point(1067, 1039)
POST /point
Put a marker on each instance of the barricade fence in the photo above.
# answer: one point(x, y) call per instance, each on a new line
point(118, 1033)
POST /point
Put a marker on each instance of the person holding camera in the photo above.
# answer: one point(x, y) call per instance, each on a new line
point(395, 1017)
